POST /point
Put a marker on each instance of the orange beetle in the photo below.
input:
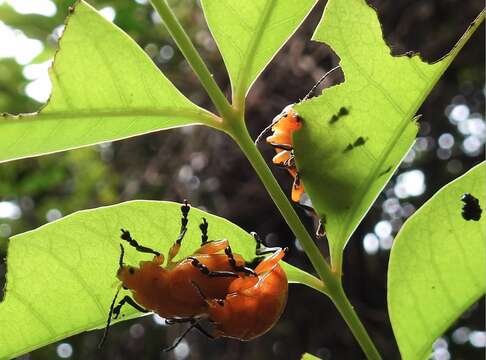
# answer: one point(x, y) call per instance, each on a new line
point(283, 127)
point(174, 291)
point(253, 304)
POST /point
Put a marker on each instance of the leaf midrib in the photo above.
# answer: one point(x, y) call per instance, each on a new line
point(203, 116)
point(254, 43)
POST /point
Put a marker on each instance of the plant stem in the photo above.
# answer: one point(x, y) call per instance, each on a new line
point(192, 56)
point(243, 139)
point(331, 280)
point(346, 310)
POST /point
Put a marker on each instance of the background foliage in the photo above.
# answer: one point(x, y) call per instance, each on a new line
point(188, 163)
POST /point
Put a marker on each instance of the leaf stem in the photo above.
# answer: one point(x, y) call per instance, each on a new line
point(340, 300)
point(243, 139)
point(192, 56)
point(331, 280)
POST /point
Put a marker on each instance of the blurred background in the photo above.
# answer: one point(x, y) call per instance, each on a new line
point(189, 163)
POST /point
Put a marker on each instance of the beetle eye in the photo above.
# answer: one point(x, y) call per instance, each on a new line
point(131, 270)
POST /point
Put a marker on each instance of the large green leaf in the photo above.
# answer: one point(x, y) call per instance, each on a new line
point(437, 266)
point(60, 277)
point(250, 32)
point(346, 160)
point(104, 88)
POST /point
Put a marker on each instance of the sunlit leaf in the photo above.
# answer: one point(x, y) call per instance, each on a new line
point(355, 134)
point(104, 88)
point(437, 266)
point(60, 277)
point(308, 356)
point(250, 32)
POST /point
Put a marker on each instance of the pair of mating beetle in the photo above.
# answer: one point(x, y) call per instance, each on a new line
point(213, 283)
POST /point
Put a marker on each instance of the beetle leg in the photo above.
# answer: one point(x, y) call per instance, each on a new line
point(220, 302)
point(193, 321)
point(194, 325)
point(212, 247)
point(179, 339)
point(270, 262)
point(297, 181)
point(297, 188)
point(321, 229)
point(307, 208)
point(184, 220)
point(204, 231)
point(127, 300)
point(283, 147)
point(198, 327)
point(261, 249)
point(199, 291)
point(115, 312)
point(122, 254)
point(282, 166)
point(127, 237)
point(172, 321)
point(290, 162)
point(204, 269)
point(238, 268)
point(108, 321)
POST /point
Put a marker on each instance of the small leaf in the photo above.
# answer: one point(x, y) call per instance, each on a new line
point(250, 32)
point(60, 276)
point(104, 88)
point(437, 266)
point(355, 134)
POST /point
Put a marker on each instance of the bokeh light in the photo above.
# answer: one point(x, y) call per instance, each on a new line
point(53, 214)
point(182, 350)
point(14, 44)
point(410, 183)
point(64, 350)
point(461, 335)
point(158, 320)
point(39, 7)
point(10, 210)
point(108, 13)
point(371, 243)
point(477, 338)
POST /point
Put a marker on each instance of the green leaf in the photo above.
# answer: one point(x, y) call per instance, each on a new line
point(346, 160)
point(308, 356)
point(250, 32)
point(61, 276)
point(104, 88)
point(437, 266)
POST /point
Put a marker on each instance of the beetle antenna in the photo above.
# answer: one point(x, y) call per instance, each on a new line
point(261, 248)
point(309, 94)
point(264, 131)
point(199, 291)
point(108, 321)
